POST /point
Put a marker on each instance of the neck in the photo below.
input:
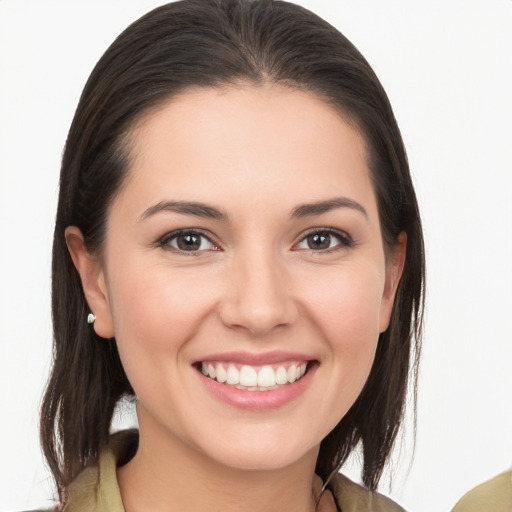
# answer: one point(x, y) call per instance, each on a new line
point(171, 477)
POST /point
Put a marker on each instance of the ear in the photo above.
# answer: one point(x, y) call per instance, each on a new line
point(394, 269)
point(93, 282)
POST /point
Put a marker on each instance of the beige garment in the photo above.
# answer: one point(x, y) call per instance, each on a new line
point(492, 496)
point(96, 489)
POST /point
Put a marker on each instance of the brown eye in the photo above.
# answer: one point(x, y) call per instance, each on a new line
point(325, 240)
point(319, 241)
point(188, 241)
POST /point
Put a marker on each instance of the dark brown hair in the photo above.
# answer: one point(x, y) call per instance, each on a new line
point(211, 43)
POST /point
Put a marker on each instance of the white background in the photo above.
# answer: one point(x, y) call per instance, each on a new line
point(447, 67)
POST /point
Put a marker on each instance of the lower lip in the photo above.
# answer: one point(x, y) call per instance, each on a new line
point(258, 400)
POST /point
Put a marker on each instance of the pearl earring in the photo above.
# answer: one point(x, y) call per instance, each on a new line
point(91, 318)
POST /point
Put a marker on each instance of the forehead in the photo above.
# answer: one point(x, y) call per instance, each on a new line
point(259, 141)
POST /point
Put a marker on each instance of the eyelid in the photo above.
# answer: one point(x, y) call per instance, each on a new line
point(345, 240)
point(164, 240)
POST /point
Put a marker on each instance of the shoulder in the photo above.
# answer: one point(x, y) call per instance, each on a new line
point(96, 489)
point(495, 495)
point(352, 497)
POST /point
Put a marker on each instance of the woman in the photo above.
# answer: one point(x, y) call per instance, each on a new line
point(238, 246)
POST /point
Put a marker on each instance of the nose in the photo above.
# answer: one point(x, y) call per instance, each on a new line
point(258, 295)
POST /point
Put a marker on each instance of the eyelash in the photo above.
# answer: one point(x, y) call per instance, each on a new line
point(165, 241)
point(344, 241)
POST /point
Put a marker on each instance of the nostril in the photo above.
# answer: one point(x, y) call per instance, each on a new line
point(257, 298)
point(257, 321)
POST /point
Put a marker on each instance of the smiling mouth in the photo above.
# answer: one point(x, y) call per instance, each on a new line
point(254, 378)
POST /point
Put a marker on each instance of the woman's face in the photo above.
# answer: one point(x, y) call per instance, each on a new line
point(245, 244)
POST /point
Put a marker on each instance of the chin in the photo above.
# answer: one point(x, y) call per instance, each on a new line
point(261, 456)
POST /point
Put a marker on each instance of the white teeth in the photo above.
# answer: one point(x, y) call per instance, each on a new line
point(248, 376)
point(266, 377)
point(281, 375)
point(252, 379)
point(222, 375)
point(233, 375)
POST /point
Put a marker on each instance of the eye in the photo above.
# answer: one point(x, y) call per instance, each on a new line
point(188, 241)
point(324, 240)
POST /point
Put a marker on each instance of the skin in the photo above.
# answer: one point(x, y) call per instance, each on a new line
point(256, 154)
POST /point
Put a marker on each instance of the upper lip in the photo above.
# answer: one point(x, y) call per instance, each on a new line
point(255, 359)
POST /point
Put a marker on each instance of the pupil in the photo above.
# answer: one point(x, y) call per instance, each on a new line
point(189, 242)
point(319, 241)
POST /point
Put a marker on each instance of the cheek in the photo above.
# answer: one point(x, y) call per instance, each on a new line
point(347, 305)
point(156, 311)
point(344, 306)
point(346, 311)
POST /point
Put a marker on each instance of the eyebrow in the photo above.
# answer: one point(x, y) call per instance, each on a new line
point(186, 208)
point(210, 212)
point(310, 209)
